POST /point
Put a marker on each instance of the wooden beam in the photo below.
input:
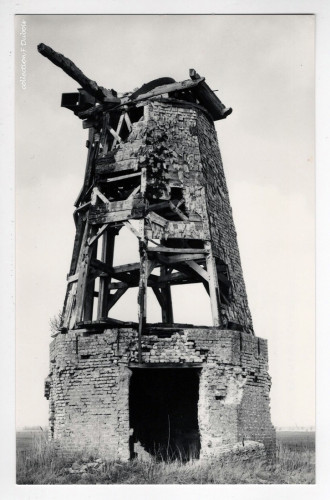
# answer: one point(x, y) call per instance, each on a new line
point(128, 122)
point(163, 249)
point(92, 153)
point(72, 287)
point(178, 211)
point(171, 87)
point(98, 234)
point(113, 299)
point(132, 229)
point(84, 206)
point(165, 365)
point(172, 259)
point(118, 285)
point(160, 297)
point(134, 192)
point(196, 267)
point(112, 271)
point(108, 244)
point(72, 278)
point(123, 177)
point(167, 309)
point(89, 290)
point(82, 279)
point(116, 133)
point(208, 99)
point(100, 195)
point(72, 70)
point(77, 244)
point(103, 138)
point(213, 286)
point(157, 219)
point(142, 295)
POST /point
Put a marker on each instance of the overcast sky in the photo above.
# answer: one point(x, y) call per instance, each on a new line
point(262, 67)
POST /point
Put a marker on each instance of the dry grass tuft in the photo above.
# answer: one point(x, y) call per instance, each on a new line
point(46, 463)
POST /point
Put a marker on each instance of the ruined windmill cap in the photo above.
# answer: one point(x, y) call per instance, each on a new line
point(146, 87)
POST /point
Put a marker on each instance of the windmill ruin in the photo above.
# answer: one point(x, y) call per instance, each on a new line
point(128, 389)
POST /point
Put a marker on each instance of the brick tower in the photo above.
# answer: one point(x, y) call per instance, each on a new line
point(138, 389)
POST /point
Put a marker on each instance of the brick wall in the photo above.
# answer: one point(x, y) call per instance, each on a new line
point(89, 386)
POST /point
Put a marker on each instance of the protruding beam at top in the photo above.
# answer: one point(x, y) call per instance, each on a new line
point(208, 99)
point(100, 93)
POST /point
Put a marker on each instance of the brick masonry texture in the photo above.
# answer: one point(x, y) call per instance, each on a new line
point(194, 163)
point(88, 387)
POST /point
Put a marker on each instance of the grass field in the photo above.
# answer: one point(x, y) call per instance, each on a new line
point(39, 462)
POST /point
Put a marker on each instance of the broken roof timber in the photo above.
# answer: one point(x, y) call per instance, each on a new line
point(208, 99)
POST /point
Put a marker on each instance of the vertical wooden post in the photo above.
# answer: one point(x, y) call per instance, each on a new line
point(89, 292)
point(72, 287)
point(167, 309)
point(143, 282)
point(213, 285)
point(83, 274)
point(142, 298)
point(108, 243)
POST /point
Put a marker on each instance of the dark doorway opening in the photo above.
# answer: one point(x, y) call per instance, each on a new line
point(164, 413)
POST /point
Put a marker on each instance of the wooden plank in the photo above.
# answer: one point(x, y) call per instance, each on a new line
point(123, 177)
point(116, 134)
point(77, 244)
point(103, 137)
point(142, 294)
point(178, 211)
point(167, 309)
point(196, 267)
point(84, 206)
point(92, 153)
point(72, 278)
point(157, 219)
point(172, 278)
point(159, 296)
point(143, 180)
point(72, 287)
point(172, 259)
point(128, 122)
point(108, 244)
point(106, 217)
point(112, 271)
point(82, 280)
point(98, 234)
point(105, 170)
point(159, 206)
point(134, 192)
point(89, 292)
point(163, 249)
point(132, 229)
point(208, 99)
point(213, 286)
point(74, 72)
point(117, 286)
point(165, 365)
point(100, 195)
point(113, 299)
point(171, 87)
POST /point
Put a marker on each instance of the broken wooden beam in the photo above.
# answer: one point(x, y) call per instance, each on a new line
point(74, 72)
point(208, 99)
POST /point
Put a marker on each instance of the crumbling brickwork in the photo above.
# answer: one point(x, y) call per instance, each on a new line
point(89, 386)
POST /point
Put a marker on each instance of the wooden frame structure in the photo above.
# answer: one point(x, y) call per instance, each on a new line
point(116, 193)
